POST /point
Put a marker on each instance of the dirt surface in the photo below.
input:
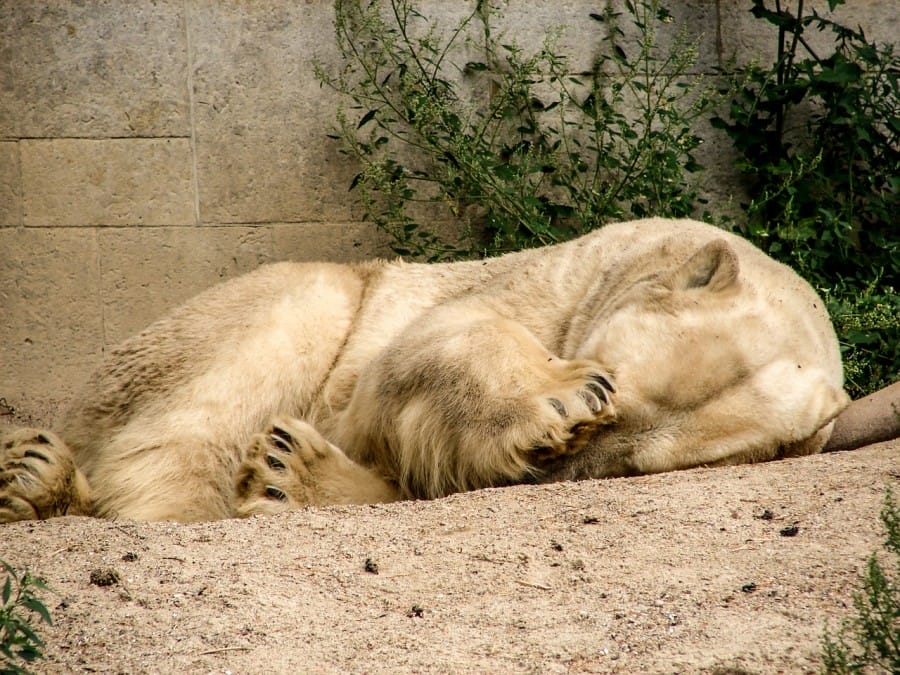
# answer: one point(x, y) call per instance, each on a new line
point(711, 570)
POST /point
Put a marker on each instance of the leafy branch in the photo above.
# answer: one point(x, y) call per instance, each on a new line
point(506, 145)
point(870, 641)
point(19, 640)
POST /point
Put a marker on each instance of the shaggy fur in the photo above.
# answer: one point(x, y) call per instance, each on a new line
point(641, 347)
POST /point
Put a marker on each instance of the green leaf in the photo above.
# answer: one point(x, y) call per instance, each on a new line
point(843, 72)
point(29, 633)
point(29, 653)
point(368, 117)
point(692, 166)
point(38, 608)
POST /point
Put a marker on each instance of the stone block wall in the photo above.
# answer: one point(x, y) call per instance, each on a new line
point(150, 150)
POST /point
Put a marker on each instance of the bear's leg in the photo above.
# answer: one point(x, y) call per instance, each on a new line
point(38, 477)
point(466, 398)
point(291, 465)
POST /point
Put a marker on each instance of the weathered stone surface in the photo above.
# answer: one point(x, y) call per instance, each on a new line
point(51, 333)
point(148, 271)
point(107, 182)
point(746, 39)
point(728, 196)
point(527, 24)
point(261, 116)
point(333, 242)
point(10, 185)
point(696, 19)
point(93, 69)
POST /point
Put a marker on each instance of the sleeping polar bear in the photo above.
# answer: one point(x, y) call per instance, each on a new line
point(641, 347)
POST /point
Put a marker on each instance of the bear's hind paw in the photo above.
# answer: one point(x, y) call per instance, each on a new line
point(38, 477)
point(292, 465)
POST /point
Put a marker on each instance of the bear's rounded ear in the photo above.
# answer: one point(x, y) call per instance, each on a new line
point(713, 267)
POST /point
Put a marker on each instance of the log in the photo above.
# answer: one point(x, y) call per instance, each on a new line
point(867, 420)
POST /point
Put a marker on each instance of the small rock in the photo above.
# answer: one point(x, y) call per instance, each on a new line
point(789, 531)
point(104, 577)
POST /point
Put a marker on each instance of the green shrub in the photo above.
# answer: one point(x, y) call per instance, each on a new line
point(542, 156)
point(819, 139)
point(870, 641)
point(20, 604)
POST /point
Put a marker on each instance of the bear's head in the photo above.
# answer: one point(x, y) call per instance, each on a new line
point(721, 356)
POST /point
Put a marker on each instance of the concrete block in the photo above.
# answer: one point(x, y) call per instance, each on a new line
point(332, 242)
point(721, 183)
point(107, 182)
point(879, 19)
point(527, 24)
point(148, 271)
point(10, 185)
point(94, 69)
point(288, 173)
point(696, 19)
point(261, 116)
point(746, 39)
point(51, 332)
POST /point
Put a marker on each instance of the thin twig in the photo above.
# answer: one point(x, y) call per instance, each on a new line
point(120, 528)
point(224, 649)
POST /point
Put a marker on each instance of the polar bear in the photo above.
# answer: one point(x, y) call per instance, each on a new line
point(640, 347)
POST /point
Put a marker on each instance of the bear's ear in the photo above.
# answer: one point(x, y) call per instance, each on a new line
point(713, 267)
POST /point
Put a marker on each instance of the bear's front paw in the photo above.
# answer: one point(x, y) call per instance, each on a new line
point(38, 478)
point(595, 392)
point(581, 399)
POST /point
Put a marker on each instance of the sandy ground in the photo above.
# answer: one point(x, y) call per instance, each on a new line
point(727, 570)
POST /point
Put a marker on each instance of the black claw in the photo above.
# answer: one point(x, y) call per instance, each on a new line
point(281, 438)
point(558, 406)
point(599, 391)
point(275, 493)
point(604, 381)
point(274, 462)
point(43, 440)
point(592, 401)
point(37, 455)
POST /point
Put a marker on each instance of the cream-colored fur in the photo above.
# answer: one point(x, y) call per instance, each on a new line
point(641, 347)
